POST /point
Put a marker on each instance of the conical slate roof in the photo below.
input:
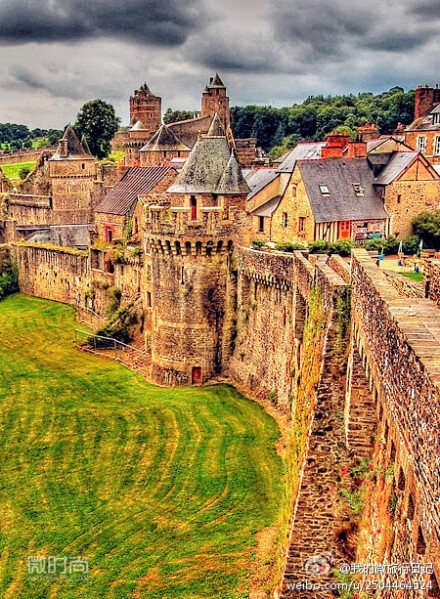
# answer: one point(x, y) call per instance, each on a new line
point(138, 126)
point(216, 129)
point(74, 147)
point(210, 169)
point(216, 82)
point(232, 180)
point(164, 139)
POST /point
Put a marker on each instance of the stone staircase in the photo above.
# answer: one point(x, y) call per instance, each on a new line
point(319, 519)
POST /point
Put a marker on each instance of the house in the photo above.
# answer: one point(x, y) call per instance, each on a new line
point(423, 134)
point(355, 190)
point(119, 206)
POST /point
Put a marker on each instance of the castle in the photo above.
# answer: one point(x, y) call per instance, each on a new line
point(351, 353)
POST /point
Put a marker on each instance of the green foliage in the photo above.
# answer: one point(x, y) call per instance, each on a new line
point(318, 115)
point(113, 296)
point(388, 246)
point(12, 171)
point(8, 277)
point(98, 123)
point(119, 325)
point(427, 226)
point(24, 172)
point(342, 247)
point(411, 244)
point(290, 247)
point(159, 488)
point(355, 499)
point(257, 244)
point(172, 116)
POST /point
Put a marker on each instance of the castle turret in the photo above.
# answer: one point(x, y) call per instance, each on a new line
point(191, 239)
point(162, 147)
point(72, 172)
point(215, 100)
point(147, 108)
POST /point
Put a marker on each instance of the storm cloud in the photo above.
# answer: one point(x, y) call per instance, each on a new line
point(164, 22)
point(57, 54)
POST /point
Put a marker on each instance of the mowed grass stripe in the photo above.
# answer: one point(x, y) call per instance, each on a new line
point(162, 489)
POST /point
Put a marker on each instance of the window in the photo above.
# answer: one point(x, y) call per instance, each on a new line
point(108, 234)
point(324, 190)
point(293, 191)
point(261, 224)
point(358, 189)
point(436, 118)
point(437, 144)
point(421, 144)
point(193, 203)
point(399, 198)
point(301, 224)
point(285, 219)
point(148, 299)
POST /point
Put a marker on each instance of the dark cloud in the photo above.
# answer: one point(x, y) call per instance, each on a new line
point(168, 22)
point(322, 26)
point(430, 9)
point(398, 41)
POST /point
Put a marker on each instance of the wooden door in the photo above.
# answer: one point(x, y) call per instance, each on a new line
point(196, 375)
point(344, 229)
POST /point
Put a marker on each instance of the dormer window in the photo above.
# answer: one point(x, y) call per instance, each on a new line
point(436, 118)
point(421, 144)
point(358, 189)
point(324, 190)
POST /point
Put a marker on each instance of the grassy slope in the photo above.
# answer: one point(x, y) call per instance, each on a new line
point(12, 171)
point(163, 489)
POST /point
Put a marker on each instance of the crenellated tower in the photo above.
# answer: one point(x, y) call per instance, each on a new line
point(146, 108)
point(191, 233)
point(215, 101)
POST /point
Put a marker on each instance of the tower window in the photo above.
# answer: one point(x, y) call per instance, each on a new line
point(261, 224)
point(285, 219)
point(301, 224)
point(193, 203)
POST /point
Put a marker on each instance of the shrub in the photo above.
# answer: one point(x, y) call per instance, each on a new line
point(319, 247)
point(24, 172)
point(8, 278)
point(411, 244)
point(257, 244)
point(388, 246)
point(427, 226)
point(290, 247)
point(343, 247)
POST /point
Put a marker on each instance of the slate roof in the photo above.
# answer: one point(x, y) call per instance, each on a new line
point(303, 151)
point(164, 139)
point(138, 126)
point(216, 82)
point(425, 123)
point(210, 169)
point(216, 129)
point(258, 179)
point(397, 163)
point(268, 208)
point(75, 148)
point(232, 180)
point(137, 180)
point(187, 130)
point(342, 203)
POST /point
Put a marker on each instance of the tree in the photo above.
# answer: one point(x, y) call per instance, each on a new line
point(24, 172)
point(172, 116)
point(427, 226)
point(98, 122)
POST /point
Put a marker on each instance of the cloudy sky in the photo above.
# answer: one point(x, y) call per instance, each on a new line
point(57, 54)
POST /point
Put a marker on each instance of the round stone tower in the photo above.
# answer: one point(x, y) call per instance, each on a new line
point(191, 238)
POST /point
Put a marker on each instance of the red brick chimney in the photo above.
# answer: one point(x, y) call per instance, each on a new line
point(356, 149)
point(335, 144)
point(424, 101)
point(367, 132)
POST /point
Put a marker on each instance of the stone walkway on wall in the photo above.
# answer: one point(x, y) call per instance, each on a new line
point(322, 529)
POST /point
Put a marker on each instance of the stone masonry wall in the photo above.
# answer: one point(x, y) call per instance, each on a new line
point(58, 274)
point(400, 347)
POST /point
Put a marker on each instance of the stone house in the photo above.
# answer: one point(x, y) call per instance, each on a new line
point(423, 134)
point(353, 190)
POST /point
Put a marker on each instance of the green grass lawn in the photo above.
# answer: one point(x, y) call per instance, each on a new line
point(11, 171)
point(162, 490)
point(414, 276)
